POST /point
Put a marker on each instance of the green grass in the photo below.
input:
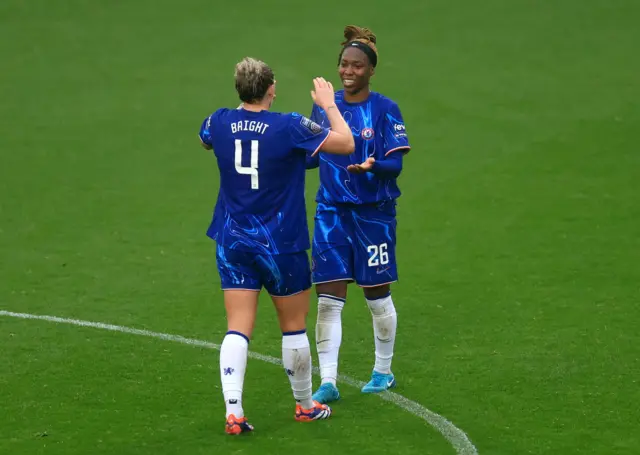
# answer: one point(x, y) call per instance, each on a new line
point(519, 226)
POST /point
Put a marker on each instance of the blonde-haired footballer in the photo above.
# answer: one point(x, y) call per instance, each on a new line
point(260, 226)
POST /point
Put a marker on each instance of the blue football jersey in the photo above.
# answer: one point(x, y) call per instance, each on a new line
point(261, 158)
point(378, 130)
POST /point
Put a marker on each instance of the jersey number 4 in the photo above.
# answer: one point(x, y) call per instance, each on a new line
point(253, 169)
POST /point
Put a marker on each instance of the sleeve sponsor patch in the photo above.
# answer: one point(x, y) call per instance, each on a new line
point(310, 125)
point(399, 130)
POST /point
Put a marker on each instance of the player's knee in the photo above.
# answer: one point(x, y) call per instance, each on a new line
point(293, 321)
point(241, 320)
point(241, 308)
point(292, 311)
point(381, 307)
point(336, 288)
point(377, 292)
point(243, 325)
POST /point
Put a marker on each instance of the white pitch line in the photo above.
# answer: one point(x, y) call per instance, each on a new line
point(458, 439)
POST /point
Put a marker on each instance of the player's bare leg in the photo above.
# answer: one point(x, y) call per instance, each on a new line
point(385, 321)
point(296, 354)
point(331, 299)
point(241, 307)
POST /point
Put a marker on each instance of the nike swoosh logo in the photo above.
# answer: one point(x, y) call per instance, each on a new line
point(383, 341)
point(322, 341)
point(378, 271)
point(389, 383)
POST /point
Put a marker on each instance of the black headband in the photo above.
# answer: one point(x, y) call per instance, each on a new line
point(373, 57)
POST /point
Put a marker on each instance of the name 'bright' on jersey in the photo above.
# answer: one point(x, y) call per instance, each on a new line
point(261, 158)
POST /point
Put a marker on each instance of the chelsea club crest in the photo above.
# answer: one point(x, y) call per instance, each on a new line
point(367, 134)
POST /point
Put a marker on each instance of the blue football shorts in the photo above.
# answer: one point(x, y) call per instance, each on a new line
point(281, 274)
point(355, 243)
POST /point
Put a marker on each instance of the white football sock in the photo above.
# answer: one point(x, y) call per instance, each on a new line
point(296, 359)
point(329, 336)
point(385, 322)
point(233, 363)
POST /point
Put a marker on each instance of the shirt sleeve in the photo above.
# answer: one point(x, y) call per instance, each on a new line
point(395, 133)
point(390, 167)
point(205, 131)
point(317, 115)
point(306, 134)
point(313, 161)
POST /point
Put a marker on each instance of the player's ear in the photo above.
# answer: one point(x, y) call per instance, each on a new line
point(372, 70)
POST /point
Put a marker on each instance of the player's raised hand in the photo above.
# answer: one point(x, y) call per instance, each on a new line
point(323, 94)
point(361, 168)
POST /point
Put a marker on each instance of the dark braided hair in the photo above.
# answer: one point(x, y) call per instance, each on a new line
point(354, 34)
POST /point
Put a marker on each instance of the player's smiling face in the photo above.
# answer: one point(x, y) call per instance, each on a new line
point(355, 70)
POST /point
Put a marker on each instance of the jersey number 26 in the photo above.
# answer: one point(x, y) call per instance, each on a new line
point(378, 255)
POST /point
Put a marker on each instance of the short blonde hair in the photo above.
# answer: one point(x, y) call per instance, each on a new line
point(253, 79)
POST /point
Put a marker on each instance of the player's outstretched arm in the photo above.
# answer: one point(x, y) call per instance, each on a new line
point(340, 140)
point(205, 134)
point(205, 145)
point(388, 168)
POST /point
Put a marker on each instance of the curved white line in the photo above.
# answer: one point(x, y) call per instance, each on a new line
point(457, 437)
